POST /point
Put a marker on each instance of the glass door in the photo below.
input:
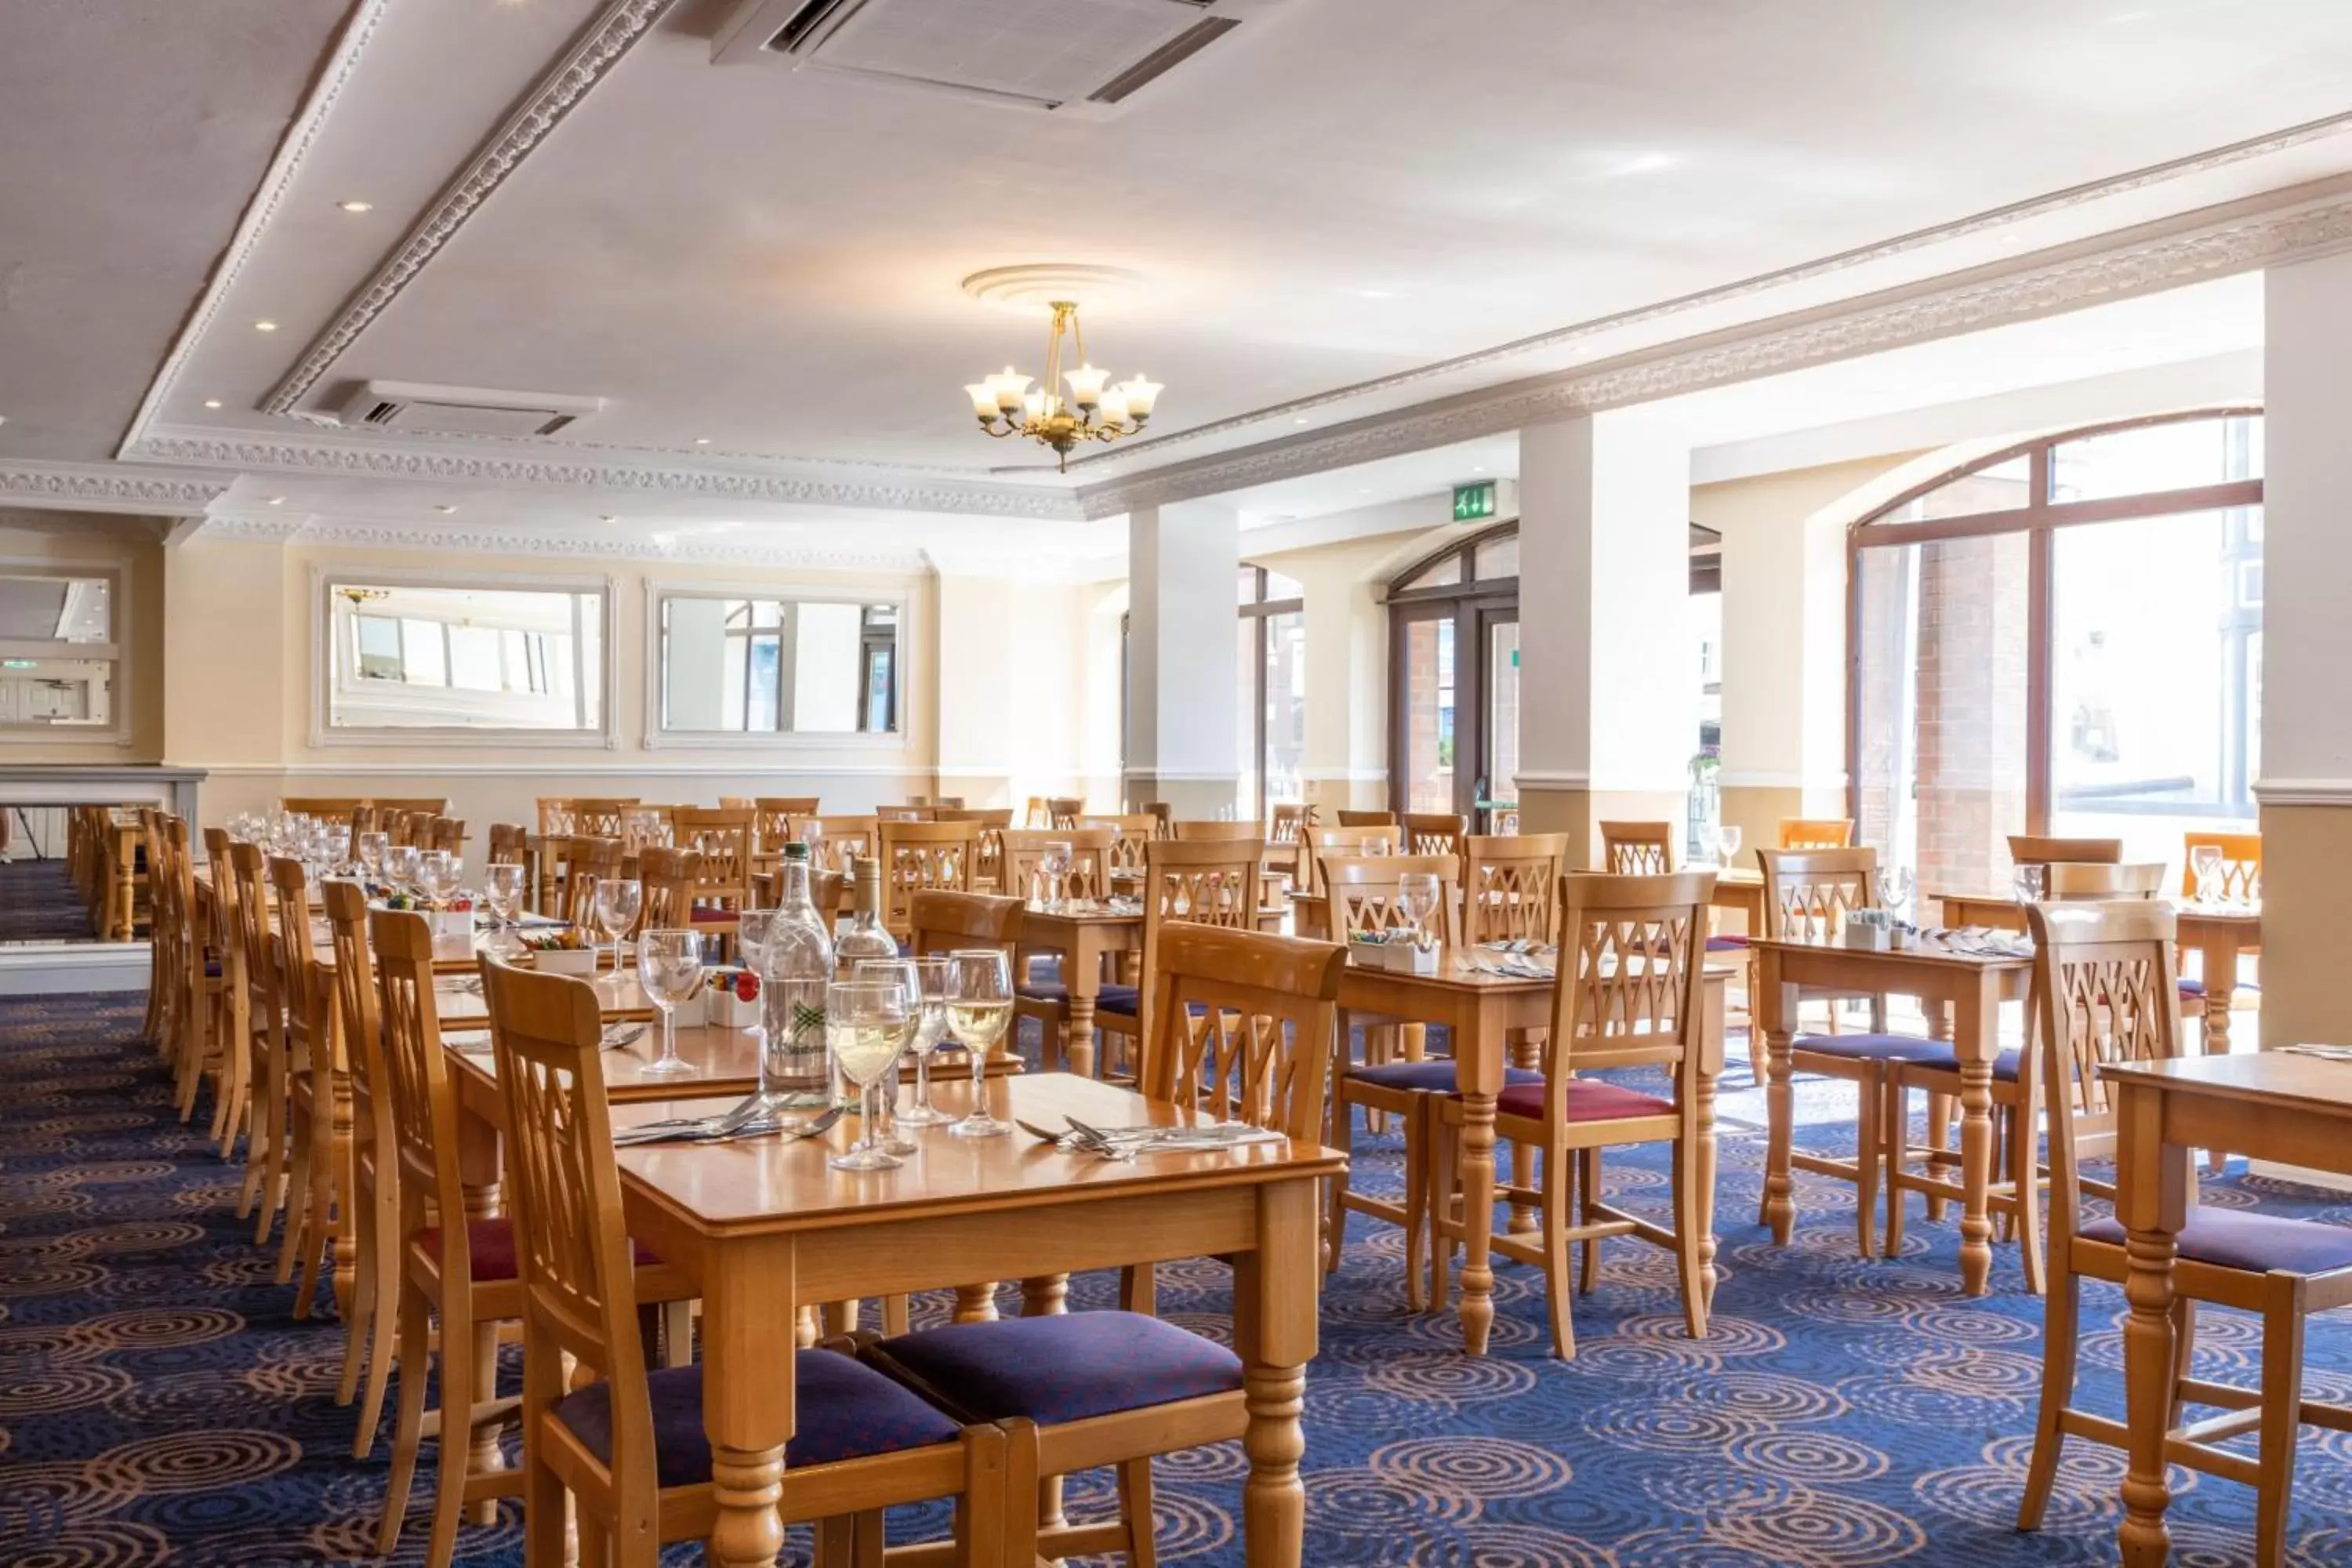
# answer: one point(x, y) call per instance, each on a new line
point(1427, 709)
point(1498, 638)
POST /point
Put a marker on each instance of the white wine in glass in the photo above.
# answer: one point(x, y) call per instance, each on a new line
point(866, 1025)
point(979, 1009)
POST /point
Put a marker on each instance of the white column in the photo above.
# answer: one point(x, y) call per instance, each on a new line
point(1183, 561)
point(2305, 787)
point(1608, 697)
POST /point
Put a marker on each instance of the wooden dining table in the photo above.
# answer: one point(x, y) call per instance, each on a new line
point(1083, 935)
point(2216, 932)
point(1480, 1009)
point(1971, 985)
point(2296, 1109)
point(763, 1228)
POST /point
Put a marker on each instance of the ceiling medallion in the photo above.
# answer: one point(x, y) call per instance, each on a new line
point(1095, 409)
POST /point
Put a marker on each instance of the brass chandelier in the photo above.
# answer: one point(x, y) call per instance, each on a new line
point(1093, 411)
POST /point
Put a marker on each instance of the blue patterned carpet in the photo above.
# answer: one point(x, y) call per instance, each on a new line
point(158, 1402)
point(39, 903)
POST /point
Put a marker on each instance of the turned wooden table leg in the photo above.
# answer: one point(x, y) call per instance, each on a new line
point(2152, 1185)
point(1975, 1031)
point(1526, 1052)
point(1477, 1220)
point(1274, 1333)
point(976, 1303)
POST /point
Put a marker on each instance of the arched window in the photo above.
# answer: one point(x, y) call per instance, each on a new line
point(1454, 676)
point(2063, 638)
point(1272, 706)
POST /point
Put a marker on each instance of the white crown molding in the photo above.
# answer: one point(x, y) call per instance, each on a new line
point(1917, 240)
point(447, 538)
point(558, 91)
point(344, 457)
point(781, 761)
point(2212, 243)
point(2303, 791)
point(107, 486)
point(358, 31)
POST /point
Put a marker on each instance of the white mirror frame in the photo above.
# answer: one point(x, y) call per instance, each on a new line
point(898, 594)
point(119, 590)
point(323, 733)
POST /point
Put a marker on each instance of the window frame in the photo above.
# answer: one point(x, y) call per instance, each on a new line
point(2039, 518)
point(1258, 612)
point(865, 592)
point(325, 734)
point(118, 574)
point(1474, 605)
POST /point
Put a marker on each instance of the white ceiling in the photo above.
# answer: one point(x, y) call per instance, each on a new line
point(1340, 192)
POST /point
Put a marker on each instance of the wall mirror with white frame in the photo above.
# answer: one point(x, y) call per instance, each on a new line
point(509, 660)
point(777, 665)
point(60, 659)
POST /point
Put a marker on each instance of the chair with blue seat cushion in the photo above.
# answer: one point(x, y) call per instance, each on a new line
point(1806, 895)
point(629, 1447)
point(1630, 995)
point(1201, 881)
point(2105, 993)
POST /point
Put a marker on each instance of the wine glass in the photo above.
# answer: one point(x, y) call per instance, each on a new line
point(670, 965)
point(618, 900)
point(930, 976)
point(1054, 864)
point(502, 891)
point(1417, 896)
point(867, 1024)
point(1895, 884)
point(1726, 841)
point(443, 873)
point(2205, 865)
point(979, 1008)
point(751, 938)
point(372, 846)
point(902, 972)
point(2030, 883)
point(404, 867)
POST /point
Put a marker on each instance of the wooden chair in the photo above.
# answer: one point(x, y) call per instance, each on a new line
point(722, 839)
point(1064, 810)
point(219, 1041)
point(1243, 1034)
point(905, 813)
point(1510, 886)
point(423, 805)
point(988, 825)
point(2104, 991)
point(950, 923)
point(840, 837)
point(671, 878)
point(276, 1046)
point(372, 1313)
point(2240, 878)
point(1816, 832)
point(621, 1440)
point(586, 860)
point(1366, 818)
point(1289, 820)
point(1637, 848)
point(1433, 833)
point(773, 816)
point(1363, 896)
point(921, 856)
point(1211, 883)
point(606, 817)
point(1806, 895)
point(319, 1140)
point(1227, 831)
point(1634, 947)
point(509, 844)
point(1090, 863)
point(1318, 842)
point(2033, 849)
point(555, 819)
point(446, 833)
point(1129, 832)
point(645, 826)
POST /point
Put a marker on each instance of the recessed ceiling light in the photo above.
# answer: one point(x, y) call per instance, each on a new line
point(447, 511)
point(265, 326)
point(212, 403)
point(277, 500)
point(1302, 422)
point(702, 440)
point(357, 206)
point(608, 517)
point(1644, 164)
point(1477, 468)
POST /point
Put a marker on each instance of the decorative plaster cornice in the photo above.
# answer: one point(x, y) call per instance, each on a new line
point(559, 90)
point(447, 538)
point(107, 486)
point(1969, 302)
point(2303, 791)
point(362, 459)
point(1917, 240)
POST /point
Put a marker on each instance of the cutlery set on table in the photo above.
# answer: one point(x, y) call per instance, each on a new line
point(1124, 1143)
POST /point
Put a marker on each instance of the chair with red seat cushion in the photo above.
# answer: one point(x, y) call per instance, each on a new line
point(1629, 995)
point(2104, 995)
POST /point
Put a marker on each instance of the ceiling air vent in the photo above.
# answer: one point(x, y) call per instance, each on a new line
point(1081, 58)
point(413, 407)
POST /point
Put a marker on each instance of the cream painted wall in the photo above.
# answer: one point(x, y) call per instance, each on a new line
point(131, 544)
point(1011, 686)
point(1343, 586)
point(1784, 609)
point(238, 618)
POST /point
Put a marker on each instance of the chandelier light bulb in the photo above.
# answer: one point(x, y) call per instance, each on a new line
point(983, 398)
point(1113, 407)
point(1087, 385)
point(1140, 396)
point(1094, 409)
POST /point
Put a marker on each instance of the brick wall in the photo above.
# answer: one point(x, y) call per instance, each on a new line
point(1971, 693)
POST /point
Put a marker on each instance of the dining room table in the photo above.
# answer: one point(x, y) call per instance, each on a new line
point(1485, 998)
point(1960, 985)
point(2217, 932)
point(1081, 933)
point(764, 1228)
point(2279, 1104)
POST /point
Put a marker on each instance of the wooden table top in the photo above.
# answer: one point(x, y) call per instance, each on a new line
point(1925, 950)
point(1457, 971)
point(2276, 1077)
point(458, 1002)
point(726, 1063)
point(771, 1185)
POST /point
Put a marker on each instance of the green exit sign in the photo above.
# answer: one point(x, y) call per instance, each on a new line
point(1472, 502)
